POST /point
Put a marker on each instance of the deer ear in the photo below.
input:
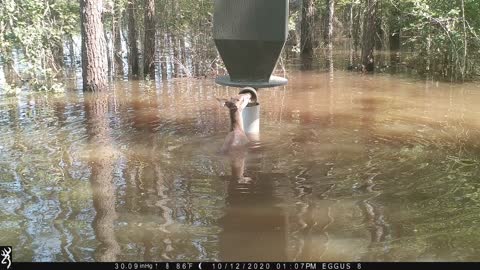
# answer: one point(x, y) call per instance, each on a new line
point(222, 101)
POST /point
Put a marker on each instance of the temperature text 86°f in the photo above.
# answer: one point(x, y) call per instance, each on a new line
point(182, 266)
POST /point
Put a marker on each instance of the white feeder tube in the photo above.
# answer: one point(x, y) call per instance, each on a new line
point(251, 120)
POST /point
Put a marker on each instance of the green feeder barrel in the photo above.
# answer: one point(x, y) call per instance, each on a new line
point(250, 35)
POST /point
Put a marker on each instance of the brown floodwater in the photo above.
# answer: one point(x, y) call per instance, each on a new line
point(348, 167)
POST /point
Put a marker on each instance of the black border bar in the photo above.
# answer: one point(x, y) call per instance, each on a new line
point(245, 265)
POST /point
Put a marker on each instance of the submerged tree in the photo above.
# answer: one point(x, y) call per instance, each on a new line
point(330, 19)
point(132, 40)
point(394, 34)
point(149, 43)
point(117, 37)
point(57, 46)
point(307, 28)
point(94, 47)
point(368, 36)
point(329, 33)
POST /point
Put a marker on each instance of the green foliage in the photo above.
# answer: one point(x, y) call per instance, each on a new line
point(113, 12)
point(37, 29)
point(183, 15)
point(9, 90)
point(438, 37)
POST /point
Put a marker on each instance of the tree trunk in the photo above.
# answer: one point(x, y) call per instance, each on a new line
point(350, 33)
point(183, 55)
point(163, 56)
point(429, 51)
point(463, 69)
point(149, 41)
point(395, 47)
point(94, 47)
point(71, 51)
point(108, 40)
point(117, 45)
point(11, 75)
point(171, 61)
point(176, 58)
point(368, 37)
point(329, 36)
point(307, 28)
point(57, 47)
point(357, 29)
point(330, 16)
point(57, 51)
point(132, 39)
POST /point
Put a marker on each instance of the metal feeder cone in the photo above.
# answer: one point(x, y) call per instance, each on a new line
point(250, 35)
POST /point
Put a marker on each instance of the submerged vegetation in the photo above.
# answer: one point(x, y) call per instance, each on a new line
point(40, 40)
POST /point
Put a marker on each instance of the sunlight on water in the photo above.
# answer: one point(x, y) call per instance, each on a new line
point(349, 167)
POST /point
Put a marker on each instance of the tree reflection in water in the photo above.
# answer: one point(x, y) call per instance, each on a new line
point(102, 160)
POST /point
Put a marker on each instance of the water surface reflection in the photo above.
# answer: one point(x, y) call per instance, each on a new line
point(102, 159)
point(254, 224)
point(349, 167)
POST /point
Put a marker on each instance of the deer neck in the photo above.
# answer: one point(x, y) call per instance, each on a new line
point(236, 120)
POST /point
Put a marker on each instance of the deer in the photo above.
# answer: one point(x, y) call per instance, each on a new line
point(236, 143)
point(236, 138)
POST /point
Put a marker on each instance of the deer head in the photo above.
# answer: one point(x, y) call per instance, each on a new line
point(235, 103)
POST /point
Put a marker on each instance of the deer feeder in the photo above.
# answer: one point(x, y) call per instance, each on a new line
point(250, 35)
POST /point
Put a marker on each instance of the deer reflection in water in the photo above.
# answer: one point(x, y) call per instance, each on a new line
point(253, 226)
